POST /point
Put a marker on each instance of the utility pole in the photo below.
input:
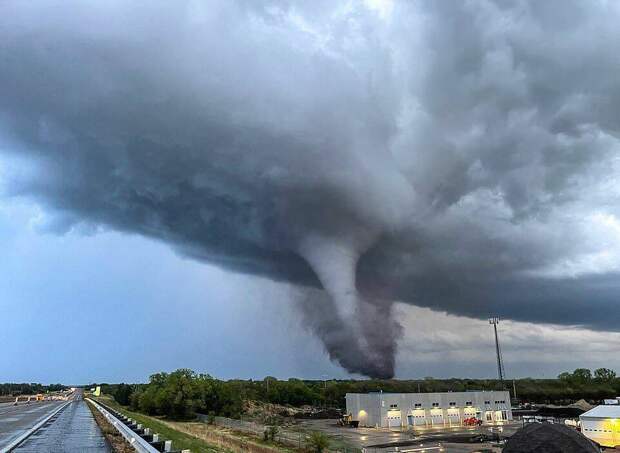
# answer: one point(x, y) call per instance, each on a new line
point(500, 363)
point(324, 376)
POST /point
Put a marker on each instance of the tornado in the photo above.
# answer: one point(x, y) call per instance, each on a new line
point(358, 333)
point(244, 147)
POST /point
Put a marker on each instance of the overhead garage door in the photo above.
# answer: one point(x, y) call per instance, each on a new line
point(437, 418)
point(419, 419)
point(453, 418)
point(469, 413)
point(393, 420)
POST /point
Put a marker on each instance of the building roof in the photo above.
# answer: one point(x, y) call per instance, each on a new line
point(427, 393)
point(608, 411)
point(549, 438)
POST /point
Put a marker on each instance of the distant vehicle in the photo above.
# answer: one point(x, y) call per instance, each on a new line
point(472, 421)
point(537, 419)
point(571, 423)
point(347, 420)
point(541, 419)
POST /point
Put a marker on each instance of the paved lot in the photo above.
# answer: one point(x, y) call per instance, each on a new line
point(374, 440)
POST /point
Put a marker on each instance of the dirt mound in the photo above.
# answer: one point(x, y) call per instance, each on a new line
point(262, 410)
point(582, 404)
point(549, 438)
point(267, 411)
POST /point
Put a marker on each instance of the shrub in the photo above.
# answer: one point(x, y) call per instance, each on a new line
point(317, 442)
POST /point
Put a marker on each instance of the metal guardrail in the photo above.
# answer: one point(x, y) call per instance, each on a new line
point(137, 442)
point(32, 430)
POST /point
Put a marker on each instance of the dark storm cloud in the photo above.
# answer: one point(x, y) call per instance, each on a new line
point(465, 153)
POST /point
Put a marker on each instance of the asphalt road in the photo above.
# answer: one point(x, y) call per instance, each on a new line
point(73, 429)
point(15, 420)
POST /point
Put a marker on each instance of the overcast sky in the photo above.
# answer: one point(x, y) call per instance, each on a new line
point(308, 188)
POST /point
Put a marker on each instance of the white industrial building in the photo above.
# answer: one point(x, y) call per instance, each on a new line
point(398, 410)
point(602, 425)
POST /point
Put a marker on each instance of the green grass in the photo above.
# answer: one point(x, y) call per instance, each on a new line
point(185, 441)
point(180, 441)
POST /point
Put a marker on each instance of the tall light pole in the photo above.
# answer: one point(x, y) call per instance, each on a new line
point(500, 363)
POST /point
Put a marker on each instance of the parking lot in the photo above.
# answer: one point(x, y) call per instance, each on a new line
point(447, 439)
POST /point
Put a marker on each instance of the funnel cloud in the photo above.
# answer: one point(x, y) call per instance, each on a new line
point(457, 156)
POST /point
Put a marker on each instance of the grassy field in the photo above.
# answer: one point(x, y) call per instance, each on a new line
point(236, 440)
point(200, 437)
point(180, 441)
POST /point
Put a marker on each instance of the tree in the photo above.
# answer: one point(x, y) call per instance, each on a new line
point(122, 394)
point(317, 442)
point(582, 375)
point(604, 375)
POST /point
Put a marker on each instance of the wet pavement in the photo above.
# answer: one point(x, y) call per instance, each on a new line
point(370, 439)
point(73, 429)
point(16, 420)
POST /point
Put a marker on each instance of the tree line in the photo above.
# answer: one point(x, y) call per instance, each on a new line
point(16, 389)
point(182, 393)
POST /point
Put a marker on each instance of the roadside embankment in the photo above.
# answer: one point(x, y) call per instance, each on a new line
point(180, 440)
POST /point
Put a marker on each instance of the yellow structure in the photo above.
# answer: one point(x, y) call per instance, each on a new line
point(97, 391)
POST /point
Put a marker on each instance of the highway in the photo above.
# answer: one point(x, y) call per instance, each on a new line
point(72, 429)
point(16, 420)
